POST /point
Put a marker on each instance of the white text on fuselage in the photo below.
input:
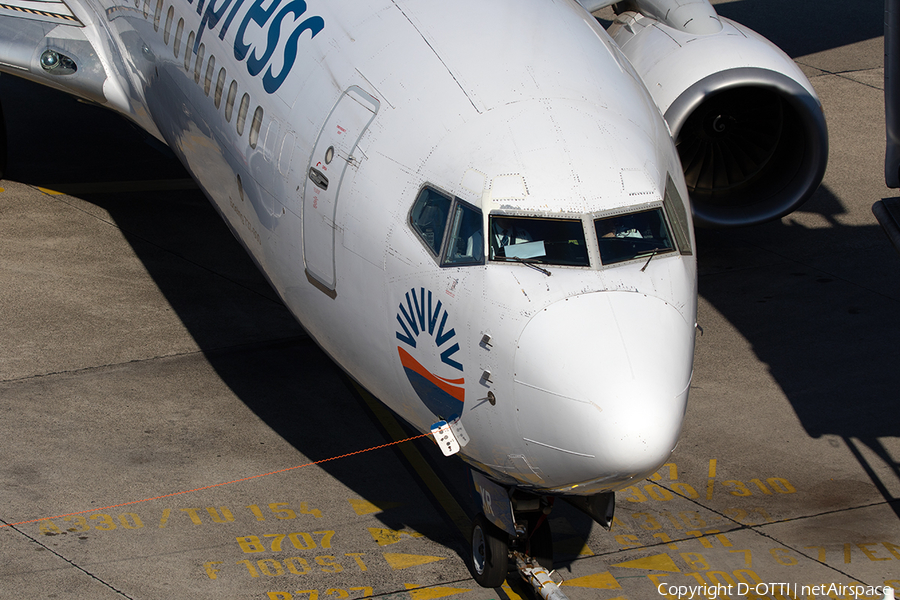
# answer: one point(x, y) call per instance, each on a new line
point(270, 20)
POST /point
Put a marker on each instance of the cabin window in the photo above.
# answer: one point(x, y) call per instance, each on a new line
point(242, 113)
point(229, 102)
point(198, 66)
point(538, 240)
point(170, 16)
point(210, 69)
point(632, 235)
point(189, 52)
point(255, 125)
point(179, 31)
point(220, 86)
point(157, 15)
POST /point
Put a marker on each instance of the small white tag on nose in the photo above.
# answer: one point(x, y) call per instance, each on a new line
point(443, 435)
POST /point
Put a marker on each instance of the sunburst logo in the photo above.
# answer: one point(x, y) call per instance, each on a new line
point(423, 317)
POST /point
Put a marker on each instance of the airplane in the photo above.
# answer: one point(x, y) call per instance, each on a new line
point(482, 211)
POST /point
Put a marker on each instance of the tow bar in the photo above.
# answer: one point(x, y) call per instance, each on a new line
point(539, 578)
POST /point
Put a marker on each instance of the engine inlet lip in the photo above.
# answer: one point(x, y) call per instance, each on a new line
point(811, 120)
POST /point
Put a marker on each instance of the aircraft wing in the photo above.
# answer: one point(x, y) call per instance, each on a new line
point(64, 45)
point(46, 11)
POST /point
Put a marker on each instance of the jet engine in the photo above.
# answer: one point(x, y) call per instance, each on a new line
point(748, 125)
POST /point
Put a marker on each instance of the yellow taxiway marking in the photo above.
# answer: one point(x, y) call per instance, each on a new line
point(420, 593)
point(50, 192)
point(598, 581)
point(437, 487)
point(119, 187)
point(659, 562)
point(386, 537)
point(510, 593)
point(364, 507)
point(711, 479)
point(404, 561)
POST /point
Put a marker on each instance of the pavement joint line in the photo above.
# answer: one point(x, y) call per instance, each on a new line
point(203, 351)
point(842, 75)
point(60, 197)
point(99, 367)
point(220, 484)
point(759, 532)
point(615, 551)
point(804, 554)
point(788, 520)
point(4, 524)
point(424, 587)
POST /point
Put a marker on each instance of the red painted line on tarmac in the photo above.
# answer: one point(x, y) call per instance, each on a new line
point(215, 485)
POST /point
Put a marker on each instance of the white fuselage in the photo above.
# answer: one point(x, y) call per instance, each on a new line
point(523, 108)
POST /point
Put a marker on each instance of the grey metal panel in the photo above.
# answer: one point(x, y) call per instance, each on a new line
point(892, 92)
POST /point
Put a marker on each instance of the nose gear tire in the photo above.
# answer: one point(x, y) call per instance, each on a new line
point(490, 553)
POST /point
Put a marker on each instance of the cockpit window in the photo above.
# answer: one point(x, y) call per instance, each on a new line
point(545, 241)
point(429, 218)
point(633, 235)
point(678, 215)
point(466, 245)
point(432, 214)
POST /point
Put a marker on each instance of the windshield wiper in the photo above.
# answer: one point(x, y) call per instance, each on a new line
point(652, 253)
point(530, 263)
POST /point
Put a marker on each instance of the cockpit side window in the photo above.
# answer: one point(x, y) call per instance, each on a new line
point(429, 218)
point(678, 215)
point(466, 245)
point(632, 235)
point(539, 240)
point(432, 214)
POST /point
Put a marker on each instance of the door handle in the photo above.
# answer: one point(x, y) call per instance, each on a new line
point(318, 178)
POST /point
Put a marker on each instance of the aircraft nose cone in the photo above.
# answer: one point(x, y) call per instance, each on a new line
point(603, 376)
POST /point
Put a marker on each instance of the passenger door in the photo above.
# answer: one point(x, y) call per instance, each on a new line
point(329, 164)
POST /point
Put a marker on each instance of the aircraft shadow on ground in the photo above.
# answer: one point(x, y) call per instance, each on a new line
point(829, 342)
point(803, 27)
point(837, 365)
point(280, 374)
point(289, 383)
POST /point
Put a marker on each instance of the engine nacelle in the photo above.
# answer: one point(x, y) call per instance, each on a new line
point(748, 125)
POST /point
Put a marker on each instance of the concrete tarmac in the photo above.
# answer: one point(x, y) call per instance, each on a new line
point(148, 375)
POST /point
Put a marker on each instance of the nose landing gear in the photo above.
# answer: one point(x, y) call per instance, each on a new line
point(495, 553)
point(512, 532)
